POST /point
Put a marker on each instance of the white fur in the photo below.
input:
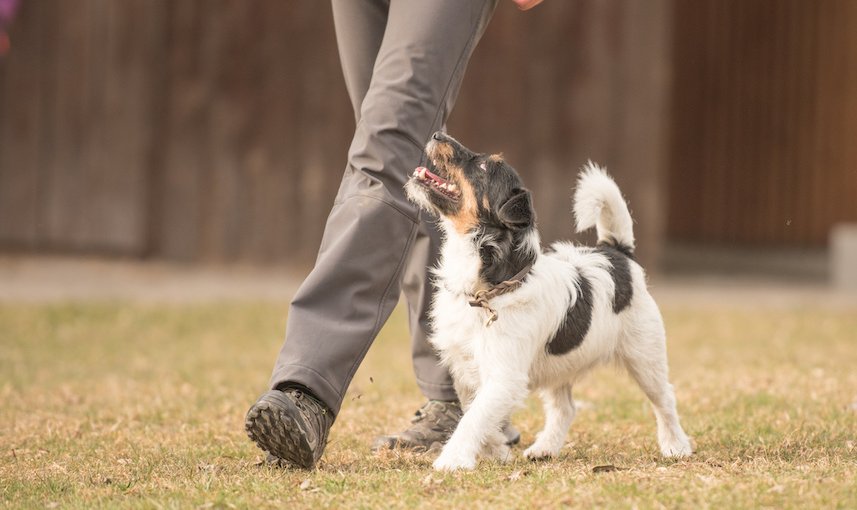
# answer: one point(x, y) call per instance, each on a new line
point(599, 203)
point(494, 367)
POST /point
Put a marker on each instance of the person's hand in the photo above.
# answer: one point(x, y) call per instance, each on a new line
point(526, 4)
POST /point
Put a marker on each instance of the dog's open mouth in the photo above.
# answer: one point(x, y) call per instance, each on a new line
point(437, 183)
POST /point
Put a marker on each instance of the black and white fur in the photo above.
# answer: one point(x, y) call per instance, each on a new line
point(578, 307)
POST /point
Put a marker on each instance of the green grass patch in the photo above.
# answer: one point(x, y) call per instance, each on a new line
point(134, 405)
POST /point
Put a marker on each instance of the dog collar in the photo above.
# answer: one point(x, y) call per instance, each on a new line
point(480, 298)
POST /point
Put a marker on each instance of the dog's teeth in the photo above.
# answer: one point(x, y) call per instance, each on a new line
point(452, 186)
point(422, 173)
point(444, 186)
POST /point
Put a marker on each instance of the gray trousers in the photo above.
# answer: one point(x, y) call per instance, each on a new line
point(403, 62)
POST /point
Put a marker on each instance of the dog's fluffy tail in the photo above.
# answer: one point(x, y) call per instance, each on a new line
point(598, 203)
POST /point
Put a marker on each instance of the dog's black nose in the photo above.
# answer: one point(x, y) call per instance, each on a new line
point(437, 136)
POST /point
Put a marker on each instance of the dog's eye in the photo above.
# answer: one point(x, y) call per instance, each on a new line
point(483, 166)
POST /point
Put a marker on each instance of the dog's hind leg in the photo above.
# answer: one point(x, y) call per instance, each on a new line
point(646, 361)
point(559, 413)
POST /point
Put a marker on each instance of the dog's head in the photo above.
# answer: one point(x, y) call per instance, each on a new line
point(478, 196)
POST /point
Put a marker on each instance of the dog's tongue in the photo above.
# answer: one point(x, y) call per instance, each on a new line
point(429, 174)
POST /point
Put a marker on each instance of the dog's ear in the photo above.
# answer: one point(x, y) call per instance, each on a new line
point(517, 211)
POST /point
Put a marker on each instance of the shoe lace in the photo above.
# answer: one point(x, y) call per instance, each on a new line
point(420, 414)
point(313, 410)
point(308, 403)
point(432, 409)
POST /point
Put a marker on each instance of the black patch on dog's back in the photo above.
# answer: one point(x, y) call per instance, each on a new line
point(578, 318)
point(622, 248)
point(620, 271)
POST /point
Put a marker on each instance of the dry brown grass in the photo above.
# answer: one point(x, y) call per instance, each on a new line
point(131, 405)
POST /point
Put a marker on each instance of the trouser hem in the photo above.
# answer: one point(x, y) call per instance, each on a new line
point(312, 380)
point(434, 391)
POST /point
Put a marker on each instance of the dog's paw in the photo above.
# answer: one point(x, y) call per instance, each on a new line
point(539, 451)
point(453, 461)
point(677, 448)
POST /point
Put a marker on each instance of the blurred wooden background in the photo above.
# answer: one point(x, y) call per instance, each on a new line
point(216, 130)
point(764, 146)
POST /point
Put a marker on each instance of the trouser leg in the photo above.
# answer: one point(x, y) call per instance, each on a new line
point(360, 29)
point(433, 378)
point(356, 281)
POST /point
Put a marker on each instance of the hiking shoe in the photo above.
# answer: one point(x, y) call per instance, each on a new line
point(290, 425)
point(433, 424)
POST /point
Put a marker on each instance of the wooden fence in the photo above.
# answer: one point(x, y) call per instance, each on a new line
point(764, 146)
point(195, 129)
point(217, 129)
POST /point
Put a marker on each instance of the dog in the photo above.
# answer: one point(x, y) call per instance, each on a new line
point(509, 317)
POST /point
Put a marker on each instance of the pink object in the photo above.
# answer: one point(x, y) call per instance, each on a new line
point(7, 11)
point(526, 4)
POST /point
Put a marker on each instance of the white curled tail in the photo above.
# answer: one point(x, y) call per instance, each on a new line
point(598, 203)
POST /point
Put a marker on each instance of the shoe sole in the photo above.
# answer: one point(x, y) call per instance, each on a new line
point(271, 424)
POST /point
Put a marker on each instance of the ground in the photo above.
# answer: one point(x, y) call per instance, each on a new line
point(140, 403)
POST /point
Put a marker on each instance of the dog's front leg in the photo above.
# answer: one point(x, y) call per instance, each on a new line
point(504, 381)
point(481, 423)
point(465, 394)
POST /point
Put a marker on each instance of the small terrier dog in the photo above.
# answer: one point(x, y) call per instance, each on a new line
point(509, 317)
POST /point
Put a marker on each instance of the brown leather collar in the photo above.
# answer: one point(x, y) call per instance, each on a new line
point(480, 298)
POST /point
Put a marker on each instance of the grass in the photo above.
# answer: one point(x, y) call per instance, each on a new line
point(133, 405)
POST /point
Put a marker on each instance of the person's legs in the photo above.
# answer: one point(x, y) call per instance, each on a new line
point(355, 283)
point(359, 33)
point(360, 30)
point(356, 280)
point(433, 378)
